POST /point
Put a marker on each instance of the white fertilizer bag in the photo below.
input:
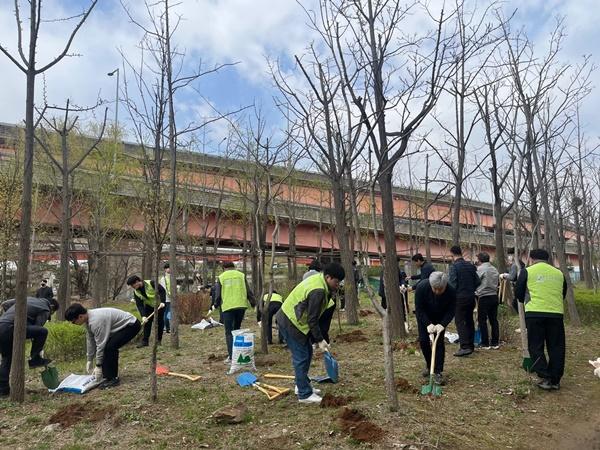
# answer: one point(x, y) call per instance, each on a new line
point(77, 384)
point(242, 355)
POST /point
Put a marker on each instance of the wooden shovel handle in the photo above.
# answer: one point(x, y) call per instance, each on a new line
point(275, 375)
point(264, 391)
point(279, 390)
point(183, 375)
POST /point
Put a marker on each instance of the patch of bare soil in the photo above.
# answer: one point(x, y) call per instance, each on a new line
point(353, 336)
point(81, 412)
point(402, 346)
point(265, 360)
point(358, 426)
point(331, 401)
point(365, 312)
point(402, 385)
point(231, 414)
point(212, 358)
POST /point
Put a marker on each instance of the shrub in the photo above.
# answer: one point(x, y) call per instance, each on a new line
point(66, 342)
point(193, 306)
point(588, 305)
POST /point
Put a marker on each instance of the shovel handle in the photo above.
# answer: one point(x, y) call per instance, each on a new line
point(264, 391)
point(275, 388)
point(183, 375)
point(275, 375)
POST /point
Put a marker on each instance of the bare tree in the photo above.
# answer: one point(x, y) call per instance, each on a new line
point(26, 62)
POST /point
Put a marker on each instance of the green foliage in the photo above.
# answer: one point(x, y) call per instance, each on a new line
point(374, 271)
point(588, 305)
point(66, 342)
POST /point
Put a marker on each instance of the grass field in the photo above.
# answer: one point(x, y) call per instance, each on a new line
point(489, 402)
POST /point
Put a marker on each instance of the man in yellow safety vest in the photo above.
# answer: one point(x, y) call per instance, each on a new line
point(298, 321)
point(233, 296)
point(544, 310)
point(144, 293)
point(275, 303)
point(165, 281)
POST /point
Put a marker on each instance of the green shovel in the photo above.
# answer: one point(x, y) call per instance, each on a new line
point(432, 388)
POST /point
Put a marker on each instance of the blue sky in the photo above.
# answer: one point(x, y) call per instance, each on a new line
point(225, 31)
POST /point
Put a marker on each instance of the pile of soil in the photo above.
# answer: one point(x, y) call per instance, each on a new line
point(400, 346)
point(365, 312)
point(353, 336)
point(212, 358)
point(265, 360)
point(358, 426)
point(81, 412)
point(231, 414)
point(402, 385)
point(331, 401)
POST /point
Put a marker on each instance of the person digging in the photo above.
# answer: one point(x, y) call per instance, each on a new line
point(298, 321)
point(39, 311)
point(435, 303)
point(107, 330)
point(144, 292)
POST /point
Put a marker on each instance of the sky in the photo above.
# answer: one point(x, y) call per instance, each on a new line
point(241, 32)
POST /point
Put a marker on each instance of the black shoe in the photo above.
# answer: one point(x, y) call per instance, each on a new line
point(168, 331)
point(142, 344)
point(463, 352)
point(438, 378)
point(107, 384)
point(555, 386)
point(425, 373)
point(38, 361)
point(545, 384)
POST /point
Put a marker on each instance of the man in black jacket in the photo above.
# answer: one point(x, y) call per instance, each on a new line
point(463, 278)
point(44, 291)
point(425, 268)
point(38, 312)
point(435, 302)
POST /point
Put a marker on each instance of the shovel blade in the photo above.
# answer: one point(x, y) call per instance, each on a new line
point(527, 364)
point(426, 389)
point(437, 390)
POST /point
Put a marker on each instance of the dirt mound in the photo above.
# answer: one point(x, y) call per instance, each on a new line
point(356, 424)
point(403, 385)
point(212, 358)
point(265, 360)
point(231, 414)
point(353, 336)
point(365, 312)
point(402, 346)
point(331, 401)
point(81, 412)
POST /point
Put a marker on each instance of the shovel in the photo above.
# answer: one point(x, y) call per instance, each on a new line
point(164, 370)
point(432, 388)
point(248, 379)
point(527, 364)
point(50, 377)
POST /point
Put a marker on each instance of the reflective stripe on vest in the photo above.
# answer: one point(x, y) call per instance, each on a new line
point(275, 298)
point(150, 294)
point(233, 290)
point(545, 286)
point(299, 295)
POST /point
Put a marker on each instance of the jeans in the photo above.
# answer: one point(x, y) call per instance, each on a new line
point(148, 326)
point(465, 325)
point(274, 307)
point(440, 348)
point(110, 363)
point(232, 320)
point(167, 320)
point(488, 310)
point(36, 333)
point(301, 359)
point(548, 331)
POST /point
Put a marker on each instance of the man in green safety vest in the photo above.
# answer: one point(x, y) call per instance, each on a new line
point(274, 306)
point(544, 309)
point(144, 293)
point(165, 281)
point(298, 321)
point(233, 296)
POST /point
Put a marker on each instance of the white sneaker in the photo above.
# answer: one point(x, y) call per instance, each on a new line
point(406, 327)
point(315, 390)
point(495, 347)
point(227, 361)
point(314, 398)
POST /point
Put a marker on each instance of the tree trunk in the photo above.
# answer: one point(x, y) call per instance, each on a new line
point(579, 248)
point(64, 287)
point(499, 235)
point(390, 267)
point(292, 266)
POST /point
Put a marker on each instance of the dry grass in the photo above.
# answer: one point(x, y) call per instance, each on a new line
point(489, 402)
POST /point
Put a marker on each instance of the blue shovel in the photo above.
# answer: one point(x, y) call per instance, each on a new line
point(249, 379)
point(332, 369)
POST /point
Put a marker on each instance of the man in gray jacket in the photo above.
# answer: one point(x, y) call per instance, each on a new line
point(39, 311)
point(487, 292)
point(108, 329)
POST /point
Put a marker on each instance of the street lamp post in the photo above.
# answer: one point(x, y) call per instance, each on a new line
point(110, 74)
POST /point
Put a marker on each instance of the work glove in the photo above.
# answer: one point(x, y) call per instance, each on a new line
point(259, 323)
point(161, 306)
point(438, 328)
point(89, 367)
point(97, 373)
point(144, 320)
point(431, 328)
point(403, 289)
point(324, 346)
point(210, 310)
point(503, 276)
